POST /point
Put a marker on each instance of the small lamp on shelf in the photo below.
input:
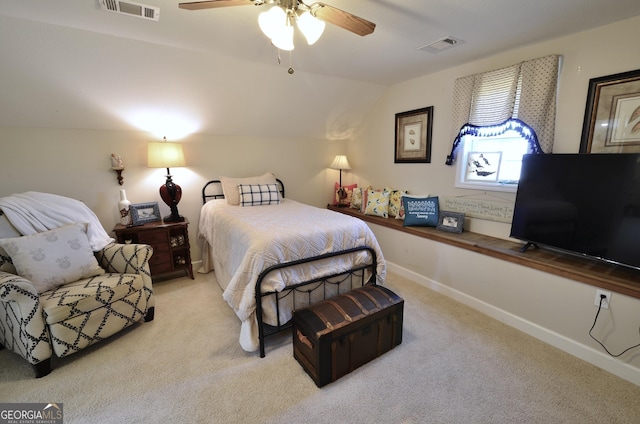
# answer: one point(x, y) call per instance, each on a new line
point(167, 155)
point(340, 162)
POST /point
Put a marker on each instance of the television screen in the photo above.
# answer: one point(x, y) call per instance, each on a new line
point(586, 204)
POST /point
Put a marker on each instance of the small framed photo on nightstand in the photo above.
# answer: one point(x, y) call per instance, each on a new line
point(141, 213)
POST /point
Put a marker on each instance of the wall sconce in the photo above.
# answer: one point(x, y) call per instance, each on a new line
point(167, 155)
point(117, 165)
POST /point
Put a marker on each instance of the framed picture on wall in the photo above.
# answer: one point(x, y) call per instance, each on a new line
point(413, 136)
point(612, 114)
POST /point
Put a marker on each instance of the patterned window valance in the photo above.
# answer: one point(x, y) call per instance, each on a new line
point(524, 93)
point(494, 130)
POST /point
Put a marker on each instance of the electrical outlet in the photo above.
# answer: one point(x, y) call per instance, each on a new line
point(606, 301)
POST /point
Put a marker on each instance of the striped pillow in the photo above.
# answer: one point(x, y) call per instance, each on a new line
point(258, 194)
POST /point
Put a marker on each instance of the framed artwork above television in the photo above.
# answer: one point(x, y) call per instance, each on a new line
point(612, 114)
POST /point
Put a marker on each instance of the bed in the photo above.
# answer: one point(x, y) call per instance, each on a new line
point(271, 259)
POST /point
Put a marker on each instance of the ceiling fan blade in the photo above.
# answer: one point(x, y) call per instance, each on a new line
point(212, 4)
point(342, 19)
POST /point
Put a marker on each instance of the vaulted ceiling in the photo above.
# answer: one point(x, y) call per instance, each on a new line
point(69, 64)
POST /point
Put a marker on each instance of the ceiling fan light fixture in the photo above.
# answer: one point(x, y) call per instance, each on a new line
point(276, 24)
point(272, 21)
point(311, 27)
point(284, 38)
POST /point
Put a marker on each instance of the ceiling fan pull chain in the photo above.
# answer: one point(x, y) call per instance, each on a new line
point(290, 70)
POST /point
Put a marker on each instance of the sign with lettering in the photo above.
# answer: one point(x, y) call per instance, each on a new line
point(481, 209)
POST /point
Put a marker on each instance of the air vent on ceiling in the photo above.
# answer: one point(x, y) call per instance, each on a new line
point(441, 44)
point(131, 8)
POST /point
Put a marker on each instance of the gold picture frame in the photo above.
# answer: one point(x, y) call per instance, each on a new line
point(612, 114)
point(413, 136)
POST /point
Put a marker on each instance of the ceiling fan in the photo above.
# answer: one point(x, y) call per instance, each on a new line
point(294, 10)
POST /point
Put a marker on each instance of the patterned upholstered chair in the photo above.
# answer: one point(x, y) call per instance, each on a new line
point(67, 318)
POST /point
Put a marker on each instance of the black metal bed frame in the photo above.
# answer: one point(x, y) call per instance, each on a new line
point(307, 288)
point(342, 281)
point(220, 194)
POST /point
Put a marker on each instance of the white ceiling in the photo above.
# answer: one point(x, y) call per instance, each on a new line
point(67, 63)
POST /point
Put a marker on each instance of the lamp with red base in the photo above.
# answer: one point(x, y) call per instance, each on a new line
point(167, 155)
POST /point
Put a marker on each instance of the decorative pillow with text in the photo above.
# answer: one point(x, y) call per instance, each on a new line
point(420, 211)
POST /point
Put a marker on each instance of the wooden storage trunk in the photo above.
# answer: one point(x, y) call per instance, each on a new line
point(337, 335)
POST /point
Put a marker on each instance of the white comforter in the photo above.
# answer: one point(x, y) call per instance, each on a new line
point(246, 240)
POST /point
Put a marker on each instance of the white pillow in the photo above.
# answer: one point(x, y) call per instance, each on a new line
point(230, 185)
point(53, 258)
point(258, 194)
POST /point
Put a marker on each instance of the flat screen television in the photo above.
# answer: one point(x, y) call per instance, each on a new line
point(584, 204)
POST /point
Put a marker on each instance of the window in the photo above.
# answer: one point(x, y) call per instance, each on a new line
point(490, 161)
point(497, 117)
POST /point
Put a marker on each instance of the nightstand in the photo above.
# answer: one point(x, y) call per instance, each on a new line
point(170, 242)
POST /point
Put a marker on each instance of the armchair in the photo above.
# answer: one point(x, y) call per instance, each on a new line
point(67, 318)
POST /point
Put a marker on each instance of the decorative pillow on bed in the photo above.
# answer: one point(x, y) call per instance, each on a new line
point(377, 203)
point(420, 211)
point(230, 185)
point(53, 258)
point(346, 195)
point(258, 194)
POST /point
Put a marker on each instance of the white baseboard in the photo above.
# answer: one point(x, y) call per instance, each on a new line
point(586, 353)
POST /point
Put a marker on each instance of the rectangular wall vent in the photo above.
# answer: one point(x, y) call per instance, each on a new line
point(131, 8)
point(441, 44)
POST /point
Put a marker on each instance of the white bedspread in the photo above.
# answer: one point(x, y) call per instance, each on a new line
point(32, 212)
point(247, 240)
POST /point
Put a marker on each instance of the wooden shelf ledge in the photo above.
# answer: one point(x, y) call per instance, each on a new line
point(611, 277)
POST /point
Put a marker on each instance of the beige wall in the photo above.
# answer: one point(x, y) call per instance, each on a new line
point(76, 163)
point(558, 310)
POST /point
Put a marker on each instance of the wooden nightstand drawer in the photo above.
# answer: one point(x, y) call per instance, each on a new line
point(170, 243)
point(159, 251)
point(155, 238)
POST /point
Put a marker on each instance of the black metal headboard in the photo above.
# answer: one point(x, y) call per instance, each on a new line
point(215, 188)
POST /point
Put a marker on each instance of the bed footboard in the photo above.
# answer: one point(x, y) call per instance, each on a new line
point(312, 291)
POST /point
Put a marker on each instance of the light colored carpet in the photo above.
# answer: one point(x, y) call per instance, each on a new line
point(455, 365)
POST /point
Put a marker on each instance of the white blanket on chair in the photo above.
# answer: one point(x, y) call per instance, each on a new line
point(32, 212)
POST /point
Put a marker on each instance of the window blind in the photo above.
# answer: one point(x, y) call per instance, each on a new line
point(524, 92)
